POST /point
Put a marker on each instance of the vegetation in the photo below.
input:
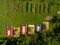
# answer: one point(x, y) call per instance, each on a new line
point(17, 12)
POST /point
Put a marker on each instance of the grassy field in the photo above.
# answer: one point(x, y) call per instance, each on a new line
point(13, 12)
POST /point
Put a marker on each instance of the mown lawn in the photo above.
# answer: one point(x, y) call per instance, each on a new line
point(19, 18)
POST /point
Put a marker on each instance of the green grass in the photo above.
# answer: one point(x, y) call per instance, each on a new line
point(19, 18)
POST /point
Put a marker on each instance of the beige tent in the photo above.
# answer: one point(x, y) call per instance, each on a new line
point(31, 29)
point(46, 24)
point(16, 32)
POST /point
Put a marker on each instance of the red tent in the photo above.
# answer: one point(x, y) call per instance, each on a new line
point(6, 31)
point(24, 29)
point(10, 31)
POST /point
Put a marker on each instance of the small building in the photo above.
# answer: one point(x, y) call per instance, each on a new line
point(31, 29)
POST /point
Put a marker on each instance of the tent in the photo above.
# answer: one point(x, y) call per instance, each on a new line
point(8, 32)
point(38, 28)
point(31, 29)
